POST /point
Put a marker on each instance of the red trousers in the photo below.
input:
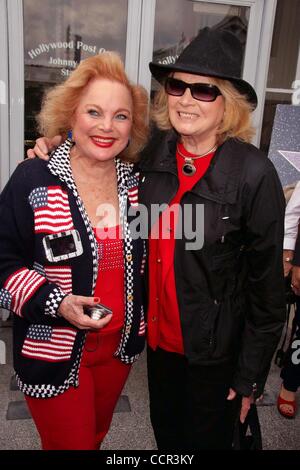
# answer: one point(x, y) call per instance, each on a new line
point(79, 418)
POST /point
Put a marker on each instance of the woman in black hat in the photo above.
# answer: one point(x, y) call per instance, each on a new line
point(216, 290)
point(216, 311)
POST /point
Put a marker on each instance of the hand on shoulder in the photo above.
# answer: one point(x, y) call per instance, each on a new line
point(44, 146)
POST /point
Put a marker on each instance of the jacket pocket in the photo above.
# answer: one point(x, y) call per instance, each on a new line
point(202, 330)
point(49, 344)
point(224, 260)
point(226, 331)
point(224, 268)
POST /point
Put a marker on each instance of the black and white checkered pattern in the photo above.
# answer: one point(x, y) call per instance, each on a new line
point(53, 302)
point(123, 174)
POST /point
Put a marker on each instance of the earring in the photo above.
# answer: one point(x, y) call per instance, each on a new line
point(70, 135)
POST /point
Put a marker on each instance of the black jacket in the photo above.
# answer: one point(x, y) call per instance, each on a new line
point(39, 196)
point(231, 291)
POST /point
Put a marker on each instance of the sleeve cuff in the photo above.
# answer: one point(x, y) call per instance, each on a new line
point(246, 389)
point(53, 302)
point(289, 243)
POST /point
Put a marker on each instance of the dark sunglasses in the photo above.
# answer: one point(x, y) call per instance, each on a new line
point(199, 91)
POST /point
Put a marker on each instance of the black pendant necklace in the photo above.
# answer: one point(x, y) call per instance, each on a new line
point(189, 168)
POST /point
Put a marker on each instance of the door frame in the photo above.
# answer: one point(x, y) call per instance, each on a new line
point(16, 81)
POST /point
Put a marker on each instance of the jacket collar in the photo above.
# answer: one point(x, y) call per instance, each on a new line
point(59, 165)
point(220, 181)
point(160, 153)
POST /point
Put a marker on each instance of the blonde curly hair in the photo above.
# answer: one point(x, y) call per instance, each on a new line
point(60, 103)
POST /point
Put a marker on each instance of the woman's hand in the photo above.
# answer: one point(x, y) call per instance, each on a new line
point(246, 403)
point(287, 261)
point(295, 284)
point(43, 146)
point(71, 308)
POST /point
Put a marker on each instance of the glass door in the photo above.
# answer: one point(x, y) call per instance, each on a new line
point(176, 22)
point(61, 34)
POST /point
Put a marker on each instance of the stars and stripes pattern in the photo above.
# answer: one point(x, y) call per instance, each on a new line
point(21, 286)
point(50, 344)
point(5, 299)
point(60, 275)
point(142, 328)
point(133, 191)
point(51, 208)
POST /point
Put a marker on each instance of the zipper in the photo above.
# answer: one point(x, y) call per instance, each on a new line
point(211, 337)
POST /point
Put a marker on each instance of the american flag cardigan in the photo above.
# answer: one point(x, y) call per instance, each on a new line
point(41, 198)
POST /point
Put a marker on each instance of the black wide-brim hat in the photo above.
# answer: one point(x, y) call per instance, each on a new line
point(214, 53)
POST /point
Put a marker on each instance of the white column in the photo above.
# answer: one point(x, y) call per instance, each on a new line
point(266, 36)
point(133, 38)
point(16, 81)
point(147, 38)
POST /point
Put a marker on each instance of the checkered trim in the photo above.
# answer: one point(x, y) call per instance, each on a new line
point(54, 300)
point(48, 391)
point(123, 174)
point(144, 259)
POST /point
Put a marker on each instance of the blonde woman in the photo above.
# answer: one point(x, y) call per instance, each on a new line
point(216, 311)
point(60, 253)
